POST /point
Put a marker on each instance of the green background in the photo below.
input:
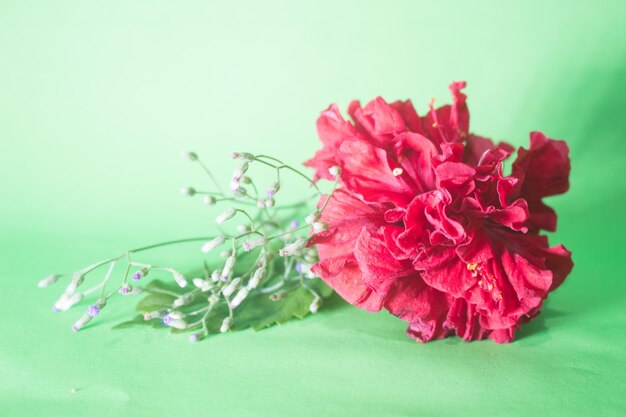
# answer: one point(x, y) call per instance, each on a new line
point(97, 98)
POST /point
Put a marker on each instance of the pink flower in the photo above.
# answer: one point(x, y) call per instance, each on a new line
point(426, 224)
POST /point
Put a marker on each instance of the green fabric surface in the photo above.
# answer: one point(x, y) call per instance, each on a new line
point(96, 100)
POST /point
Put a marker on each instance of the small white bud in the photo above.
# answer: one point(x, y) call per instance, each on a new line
point(127, 289)
point(49, 280)
point(215, 275)
point(269, 202)
point(77, 279)
point(226, 324)
point(228, 267)
point(312, 218)
point(235, 185)
point(319, 227)
point(179, 278)
point(212, 244)
point(240, 170)
point(209, 200)
point(202, 284)
point(84, 319)
point(256, 278)
point(260, 203)
point(176, 323)
point(248, 245)
point(242, 228)
point(195, 337)
point(241, 295)
point(293, 248)
point(213, 298)
point(335, 171)
point(66, 301)
point(176, 315)
point(226, 253)
point(315, 305)
point(152, 315)
point(231, 287)
point(243, 155)
point(271, 192)
point(228, 214)
point(182, 300)
point(188, 191)
point(192, 156)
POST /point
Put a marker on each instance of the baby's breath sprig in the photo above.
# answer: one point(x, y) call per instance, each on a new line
point(264, 262)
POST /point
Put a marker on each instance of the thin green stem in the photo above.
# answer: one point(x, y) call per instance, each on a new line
point(289, 167)
point(106, 278)
point(210, 174)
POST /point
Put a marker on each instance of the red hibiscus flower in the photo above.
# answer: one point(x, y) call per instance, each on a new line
point(426, 225)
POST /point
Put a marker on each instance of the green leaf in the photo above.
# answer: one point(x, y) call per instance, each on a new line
point(261, 312)
point(155, 301)
point(138, 321)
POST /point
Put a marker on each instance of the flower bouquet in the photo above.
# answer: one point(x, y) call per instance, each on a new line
point(419, 219)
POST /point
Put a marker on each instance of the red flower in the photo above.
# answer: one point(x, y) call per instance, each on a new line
point(426, 225)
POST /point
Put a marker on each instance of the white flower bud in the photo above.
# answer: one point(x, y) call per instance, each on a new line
point(260, 203)
point(188, 191)
point(77, 279)
point(175, 314)
point(231, 287)
point(66, 301)
point(315, 305)
point(127, 289)
point(226, 324)
point(215, 275)
point(72, 300)
point(242, 228)
point(269, 202)
point(153, 315)
point(248, 245)
point(182, 300)
point(228, 267)
point(319, 227)
point(335, 171)
point(243, 155)
point(235, 185)
point(226, 253)
point(256, 278)
point(209, 200)
point(189, 155)
point(177, 324)
point(228, 214)
point(179, 278)
point(195, 337)
point(240, 170)
point(213, 298)
point(241, 295)
point(271, 192)
point(84, 319)
point(49, 280)
point(312, 218)
point(202, 284)
point(212, 244)
point(293, 248)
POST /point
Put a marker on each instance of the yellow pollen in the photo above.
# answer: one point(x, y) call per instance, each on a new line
point(472, 267)
point(397, 171)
